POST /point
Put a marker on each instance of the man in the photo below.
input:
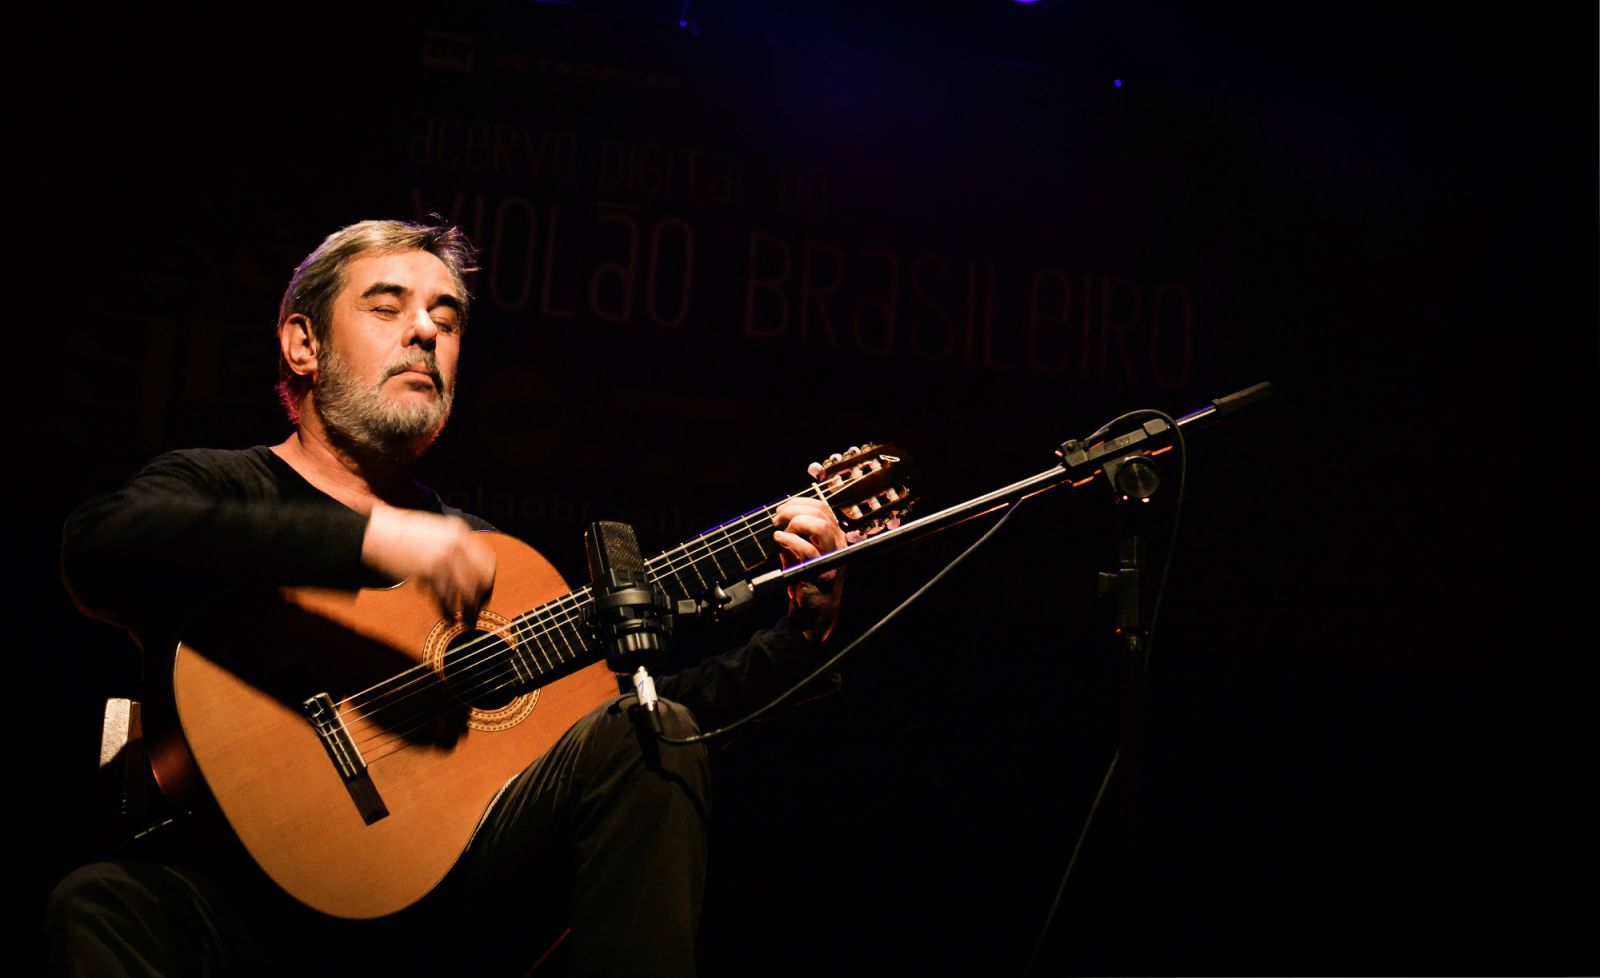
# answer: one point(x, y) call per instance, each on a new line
point(593, 834)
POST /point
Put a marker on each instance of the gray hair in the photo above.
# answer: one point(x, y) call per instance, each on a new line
point(321, 275)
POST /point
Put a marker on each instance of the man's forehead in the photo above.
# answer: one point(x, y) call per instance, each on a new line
point(415, 270)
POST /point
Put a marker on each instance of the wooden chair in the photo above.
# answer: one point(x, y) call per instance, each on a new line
point(122, 786)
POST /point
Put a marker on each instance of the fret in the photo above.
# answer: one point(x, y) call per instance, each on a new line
point(581, 601)
point(560, 620)
point(731, 532)
point(575, 639)
point(551, 629)
point(711, 551)
point(526, 645)
point(520, 676)
point(668, 577)
point(535, 638)
point(694, 565)
point(578, 600)
point(669, 582)
point(749, 544)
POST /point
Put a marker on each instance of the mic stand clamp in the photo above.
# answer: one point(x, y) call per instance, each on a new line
point(631, 623)
point(1077, 453)
point(713, 603)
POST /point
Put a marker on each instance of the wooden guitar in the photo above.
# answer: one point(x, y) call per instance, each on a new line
point(354, 739)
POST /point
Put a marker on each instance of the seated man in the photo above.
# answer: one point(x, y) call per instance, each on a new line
point(597, 833)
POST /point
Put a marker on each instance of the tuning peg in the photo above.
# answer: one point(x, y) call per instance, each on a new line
point(835, 457)
point(853, 449)
point(814, 470)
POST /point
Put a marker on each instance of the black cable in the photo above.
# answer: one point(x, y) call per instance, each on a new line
point(837, 657)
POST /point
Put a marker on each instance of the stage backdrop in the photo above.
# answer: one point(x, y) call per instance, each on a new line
point(715, 251)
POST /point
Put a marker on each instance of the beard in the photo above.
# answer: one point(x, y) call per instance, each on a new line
point(362, 419)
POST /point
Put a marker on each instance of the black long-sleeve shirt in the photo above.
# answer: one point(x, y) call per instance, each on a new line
point(197, 522)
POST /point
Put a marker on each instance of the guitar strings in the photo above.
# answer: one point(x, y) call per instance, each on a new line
point(422, 703)
point(491, 672)
point(423, 699)
point(580, 596)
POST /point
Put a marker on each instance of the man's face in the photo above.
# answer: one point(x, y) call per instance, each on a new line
point(386, 375)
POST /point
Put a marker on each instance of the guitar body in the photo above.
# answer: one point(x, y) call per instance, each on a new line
point(239, 684)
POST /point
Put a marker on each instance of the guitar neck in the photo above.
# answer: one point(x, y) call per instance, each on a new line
point(720, 554)
point(552, 639)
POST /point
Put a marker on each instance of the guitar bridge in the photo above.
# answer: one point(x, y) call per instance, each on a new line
point(346, 757)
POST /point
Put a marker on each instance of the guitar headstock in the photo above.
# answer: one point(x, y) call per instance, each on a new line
point(871, 488)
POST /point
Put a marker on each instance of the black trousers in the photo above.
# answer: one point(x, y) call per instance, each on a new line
point(602, 839)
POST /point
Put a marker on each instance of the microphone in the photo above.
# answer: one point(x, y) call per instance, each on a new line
point(630, 616)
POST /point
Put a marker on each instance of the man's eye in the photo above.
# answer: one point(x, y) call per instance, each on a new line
point(386, 310)
point(445, 325)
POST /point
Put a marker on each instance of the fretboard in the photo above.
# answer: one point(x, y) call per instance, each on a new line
point(552, 638)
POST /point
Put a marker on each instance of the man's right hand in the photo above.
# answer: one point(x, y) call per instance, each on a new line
point(441, 553)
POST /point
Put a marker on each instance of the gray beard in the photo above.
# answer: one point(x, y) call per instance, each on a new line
point(364, 421)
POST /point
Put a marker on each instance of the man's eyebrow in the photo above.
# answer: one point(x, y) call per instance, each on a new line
point(385, 288)
point(453, 302)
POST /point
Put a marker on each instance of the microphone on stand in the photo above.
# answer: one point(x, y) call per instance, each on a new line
point(630, 617)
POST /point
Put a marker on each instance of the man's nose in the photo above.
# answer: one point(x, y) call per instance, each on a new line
point(424, 330)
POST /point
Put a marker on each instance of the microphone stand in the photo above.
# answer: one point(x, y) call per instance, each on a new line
point(1123, 459)
point(1134, 480)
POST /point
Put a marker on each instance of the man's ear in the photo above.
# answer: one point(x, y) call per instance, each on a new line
point(298, 344)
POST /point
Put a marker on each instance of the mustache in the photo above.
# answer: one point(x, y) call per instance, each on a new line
point(423, 357)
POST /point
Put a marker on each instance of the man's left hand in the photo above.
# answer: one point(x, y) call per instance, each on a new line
point(807, 528)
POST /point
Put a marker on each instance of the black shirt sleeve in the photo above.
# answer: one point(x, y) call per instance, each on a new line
point(194, 523)
point(725, 688)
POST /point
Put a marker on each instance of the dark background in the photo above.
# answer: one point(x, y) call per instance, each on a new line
point(1367, 732)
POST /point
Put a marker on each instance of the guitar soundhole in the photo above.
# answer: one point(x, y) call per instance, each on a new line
point(476, 669)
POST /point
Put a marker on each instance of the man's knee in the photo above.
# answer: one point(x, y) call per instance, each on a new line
point(633, 751)
point(103, 888)
point(109, 919)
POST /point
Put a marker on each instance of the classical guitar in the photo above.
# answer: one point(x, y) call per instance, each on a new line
point(354, 739)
